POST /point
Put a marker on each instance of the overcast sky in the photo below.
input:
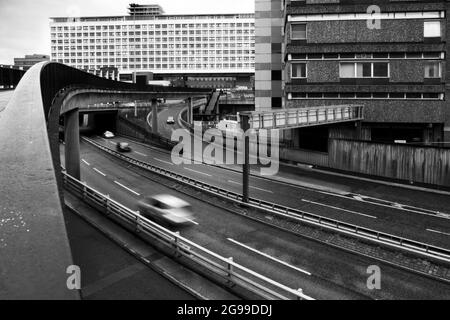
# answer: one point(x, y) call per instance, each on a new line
point(24, 24)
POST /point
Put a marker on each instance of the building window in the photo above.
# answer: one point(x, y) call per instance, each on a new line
point(432, 70)
point(298, 71)
point(432, 29)
point(380, 70)
point(298, 31)
point(347, 70)
point(364, 70)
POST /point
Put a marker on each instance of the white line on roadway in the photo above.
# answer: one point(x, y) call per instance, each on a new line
point(98, 171)
point(440, 232)
point(144, 155)
point(269, 257)
point(234, 182)
point(86, 162)
point(337, 208)
point(198, 172)
point(166, 162)
point(127, 188)
point(194, 222)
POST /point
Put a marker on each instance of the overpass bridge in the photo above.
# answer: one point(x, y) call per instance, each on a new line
point(35, 250)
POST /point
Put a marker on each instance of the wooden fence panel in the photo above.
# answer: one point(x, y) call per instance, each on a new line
point(429, 165)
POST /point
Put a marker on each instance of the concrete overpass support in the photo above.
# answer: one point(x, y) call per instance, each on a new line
point(190, 111)
point(155, 116)
point(72, 140)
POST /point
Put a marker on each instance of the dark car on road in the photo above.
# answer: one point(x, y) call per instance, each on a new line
point(123, 147)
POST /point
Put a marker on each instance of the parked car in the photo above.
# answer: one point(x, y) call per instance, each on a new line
point(108, 135)
point(167, 209)
point(123, 147)
point(170, 120)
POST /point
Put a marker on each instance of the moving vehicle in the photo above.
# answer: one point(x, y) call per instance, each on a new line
point(167, 209)
point(170, 120)
point(108, 135)
point(123, 147)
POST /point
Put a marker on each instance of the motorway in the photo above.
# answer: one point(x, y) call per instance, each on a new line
point(409, 223)
point(170, 108)
point(323, 272)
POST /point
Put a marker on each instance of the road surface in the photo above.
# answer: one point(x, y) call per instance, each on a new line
point(431, 228)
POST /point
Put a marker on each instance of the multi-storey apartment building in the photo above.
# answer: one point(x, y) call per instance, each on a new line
point(149, 41)
point(388, 55)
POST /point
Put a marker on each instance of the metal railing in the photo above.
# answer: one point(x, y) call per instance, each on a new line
point(147, 136)
point(359, 232)
point(227, 269)
point(295, 118)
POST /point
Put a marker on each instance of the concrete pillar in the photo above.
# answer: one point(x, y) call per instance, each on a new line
point(246, 171)
point(358, 130)
point(296, 138)
point(217, 110)
point(244, 120)
point(190, 110)
point(188, 116)
point(72, 143)
point(155, 116)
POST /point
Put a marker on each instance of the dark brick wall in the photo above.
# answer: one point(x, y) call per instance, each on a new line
point(323, 71)
point(357, 32)
point(392, 111)
point(401, 71)
point(407, 70)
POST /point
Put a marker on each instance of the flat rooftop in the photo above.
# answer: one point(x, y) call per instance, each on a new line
point(159, 17)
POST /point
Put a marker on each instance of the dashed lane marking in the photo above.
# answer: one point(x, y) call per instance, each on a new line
point(337, 208)
point(270, 257)
point(126, 188)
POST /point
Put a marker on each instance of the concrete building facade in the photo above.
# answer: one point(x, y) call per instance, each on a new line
point(268, 58)
point(166, 45)
point(388, 55)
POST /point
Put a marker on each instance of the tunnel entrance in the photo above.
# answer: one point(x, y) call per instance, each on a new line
point(97, 123)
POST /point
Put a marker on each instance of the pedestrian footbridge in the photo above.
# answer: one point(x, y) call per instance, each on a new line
point(302, 117)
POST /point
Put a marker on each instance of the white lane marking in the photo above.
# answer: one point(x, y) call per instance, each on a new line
point(87, 163)
point(234, 182)
point(118, 183)
point(199, 172)
point(98, 171)
point(393, 205)
point(166, 162)
point(440, 232)
point(337, 208)
point(112, 142)
point(144, 155)
point(194, 222)
point(270, 257)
